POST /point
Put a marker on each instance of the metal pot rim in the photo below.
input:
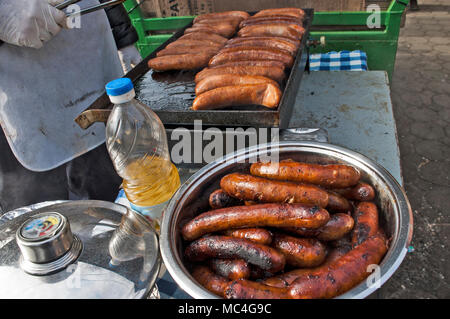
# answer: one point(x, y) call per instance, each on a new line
point(397, 251)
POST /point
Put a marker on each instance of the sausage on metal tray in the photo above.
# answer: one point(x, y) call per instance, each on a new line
point(333, 175)
point(261, 215)
point(241, 15)
point(215, 81)
point(272, 20)
point(291, 31)
point(251, 53)
point(205, 36)
point(180, 62)
point(235, 40)
point(226, 30)
point(188, 50)
point(234, 21)
point(271, 72)
point(253, 188)
point(208, 247)
point(244, 63)
point(281, 45)
point(265, 94)
point(294, 12)
point(193, 42)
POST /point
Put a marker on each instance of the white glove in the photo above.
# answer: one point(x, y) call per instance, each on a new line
point(129, 58)
point(30, 23)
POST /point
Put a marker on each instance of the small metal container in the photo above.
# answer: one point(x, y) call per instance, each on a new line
point(192, 199)
point(78, 249)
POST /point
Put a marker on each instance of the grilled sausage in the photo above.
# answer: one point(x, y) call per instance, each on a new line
point(230, 268)
point(246, 289)
point(257, 273)
point(251, 53)
point(277, 20)
point(257, 20)
point(366, 222)
point(220, 199)
point(241, 15)
point(294, 12)
point(265, 94)
point(300, 252)
point(209, 247)
point(188, 50)
point(338, 203)
point(247, 187)
point(291, 31)
point(208, 279)
point(222, 80)
point(281, 44)
point(337, 227)
point(262, 215)
point(336, 176)
point(234, 21)
point(226, 30)
point(245, 63)
point(252, 19)
point(180, 62)
point(265, 49)
point(208, 29)
point(362, 192)
point(194, 43)
point(205, 36)
point(342, 274)
point(235, 40)
point(271, 72)
point(345, 241)
point(285, 279)
point(256, 235)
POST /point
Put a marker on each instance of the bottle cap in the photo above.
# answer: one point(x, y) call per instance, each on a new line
point(120, 90)
point(119, 87)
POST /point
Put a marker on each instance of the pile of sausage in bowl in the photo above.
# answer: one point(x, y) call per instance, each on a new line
point(315, 223)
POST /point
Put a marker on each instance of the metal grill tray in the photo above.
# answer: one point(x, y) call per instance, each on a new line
point(171, 93)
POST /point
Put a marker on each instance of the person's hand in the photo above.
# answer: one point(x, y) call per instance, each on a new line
point(30, 23)
point(129, 58)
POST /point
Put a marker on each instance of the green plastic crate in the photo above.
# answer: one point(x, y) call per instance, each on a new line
point(338, 28)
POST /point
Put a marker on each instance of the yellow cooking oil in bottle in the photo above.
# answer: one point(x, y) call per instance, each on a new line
point(137, 144)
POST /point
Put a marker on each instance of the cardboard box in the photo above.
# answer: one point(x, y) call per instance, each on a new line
point(317, 5)
point(202, 6)
point(173, 8)
point(170, 8)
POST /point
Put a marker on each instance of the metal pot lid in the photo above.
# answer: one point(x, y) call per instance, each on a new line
point(78, 249)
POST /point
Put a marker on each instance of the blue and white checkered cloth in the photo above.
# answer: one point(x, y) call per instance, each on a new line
point(338, 61)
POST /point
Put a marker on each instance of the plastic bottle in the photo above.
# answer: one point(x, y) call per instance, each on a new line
point(137, 144)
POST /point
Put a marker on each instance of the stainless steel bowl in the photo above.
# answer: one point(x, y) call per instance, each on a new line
point(192, 199)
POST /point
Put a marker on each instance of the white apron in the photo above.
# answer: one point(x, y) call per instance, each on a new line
point(42, 92)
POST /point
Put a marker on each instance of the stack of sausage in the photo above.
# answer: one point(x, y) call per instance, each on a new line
point(200, 43)
point(287, 230)
point(251, 67)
